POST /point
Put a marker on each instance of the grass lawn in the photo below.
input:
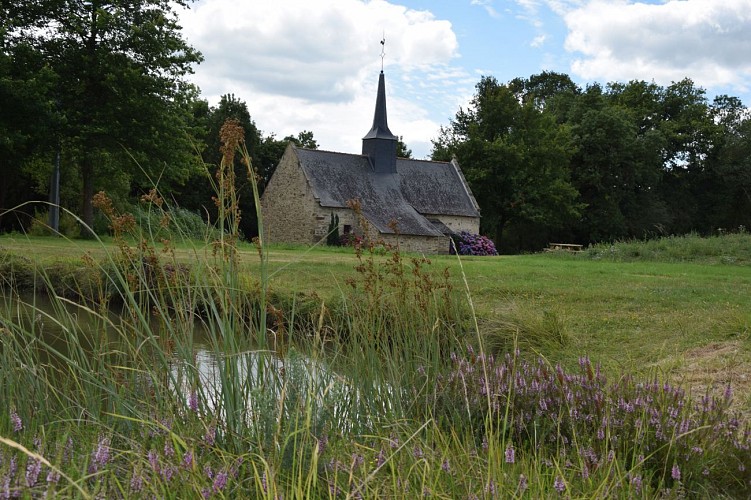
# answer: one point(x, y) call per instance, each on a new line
point(691, 320)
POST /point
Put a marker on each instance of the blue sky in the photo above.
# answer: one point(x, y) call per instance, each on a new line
point(313, 64)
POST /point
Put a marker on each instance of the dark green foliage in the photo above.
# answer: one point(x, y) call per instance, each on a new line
point(515, 158)
point(265, 153)
point(332, 236)
point(639, 160)
point(119, 91)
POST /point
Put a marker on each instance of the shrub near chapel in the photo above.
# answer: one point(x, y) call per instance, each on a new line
point(466, 243)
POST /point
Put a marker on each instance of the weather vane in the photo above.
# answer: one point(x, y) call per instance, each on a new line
point(383, 49)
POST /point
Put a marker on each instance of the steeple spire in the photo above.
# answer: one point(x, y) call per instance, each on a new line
point(380, 144)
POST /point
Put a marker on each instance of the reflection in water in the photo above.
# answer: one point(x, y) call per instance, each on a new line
point(252, 386)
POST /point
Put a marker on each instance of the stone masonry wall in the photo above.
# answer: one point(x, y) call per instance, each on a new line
point(458, 223)
point(323, 219)
point(287, 205)
point(430, 245)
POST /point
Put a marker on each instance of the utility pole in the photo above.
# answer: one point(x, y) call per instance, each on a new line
point(54, 218)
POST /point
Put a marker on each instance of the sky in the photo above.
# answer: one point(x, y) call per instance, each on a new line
point(314, 64)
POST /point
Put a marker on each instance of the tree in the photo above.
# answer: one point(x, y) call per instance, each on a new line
point(28, 124)
point(542, 88)
point(402, 151)
point(120, 66)
point(265, 153)
point(725, 194)
point(304, 139)
point(515, 158)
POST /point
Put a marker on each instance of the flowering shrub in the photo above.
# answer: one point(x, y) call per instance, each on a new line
point(660, 434)
point(466, 243)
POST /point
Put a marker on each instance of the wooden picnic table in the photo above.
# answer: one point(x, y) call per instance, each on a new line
point(569, 247)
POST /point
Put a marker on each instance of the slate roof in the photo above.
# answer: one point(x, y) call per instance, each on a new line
point(418, 187)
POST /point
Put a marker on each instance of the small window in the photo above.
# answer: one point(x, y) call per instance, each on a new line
point(347, 228)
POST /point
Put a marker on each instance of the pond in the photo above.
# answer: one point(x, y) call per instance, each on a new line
point(197, 366)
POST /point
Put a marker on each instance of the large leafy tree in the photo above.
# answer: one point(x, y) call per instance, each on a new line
point(120, 89)
point(265, 153)
point(515, 158)
point(617, 165)
point(27, 123)
point(724, 190)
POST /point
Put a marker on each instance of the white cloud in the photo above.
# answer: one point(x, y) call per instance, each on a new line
point(488, 6)
point(314, 65)
point(705, 40)
point(538, 41)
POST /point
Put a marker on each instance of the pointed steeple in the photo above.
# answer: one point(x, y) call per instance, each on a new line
point(380, 144)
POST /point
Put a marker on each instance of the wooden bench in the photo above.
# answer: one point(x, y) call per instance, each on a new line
point(568, 247)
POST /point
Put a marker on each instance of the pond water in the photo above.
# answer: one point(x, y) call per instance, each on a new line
point(200, 365)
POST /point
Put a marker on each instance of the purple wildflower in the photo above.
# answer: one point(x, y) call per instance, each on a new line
point(188, 459)
point(357, 460)
point(417, 452)
point(169, 450)
point(510, 456)
point(53, 476)
point(5, 491)
point(522, 483)
point(136, 481)
point(102, 453)
point(490, 488)
point(394, 441)
point(67, 450)
point(16, 420)
point(728, 393)
point(193, 401)
point(264, 482)
point(446, 466)
point(559, 485)
point(676, 473)
point(33, 468)
point(220, 481)
point(153, 460)
point(235, 469)
point(168, 472)
point(636, 483)
point(210, 436)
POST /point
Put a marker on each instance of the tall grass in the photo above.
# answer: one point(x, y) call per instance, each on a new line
point(210, 383)
point(723, 248)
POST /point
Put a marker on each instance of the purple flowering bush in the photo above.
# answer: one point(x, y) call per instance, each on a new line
point(466, 243)
point(644, 424)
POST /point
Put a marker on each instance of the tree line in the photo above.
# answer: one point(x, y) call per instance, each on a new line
point(102, 85)
point(548, 160)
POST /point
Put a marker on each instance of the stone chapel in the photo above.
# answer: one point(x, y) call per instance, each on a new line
point(416, 204)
